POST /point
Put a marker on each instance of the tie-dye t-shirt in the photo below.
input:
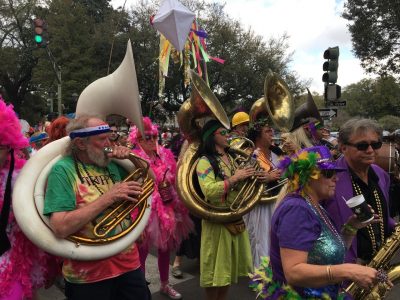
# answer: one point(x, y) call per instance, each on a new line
point(66, 192)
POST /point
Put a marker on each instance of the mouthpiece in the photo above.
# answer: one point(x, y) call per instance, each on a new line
point(108, 150)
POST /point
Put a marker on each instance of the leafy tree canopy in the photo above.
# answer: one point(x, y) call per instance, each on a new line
point(375, 30)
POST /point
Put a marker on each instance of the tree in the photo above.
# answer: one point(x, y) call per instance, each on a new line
point(237, 82)
point(373, 98)
point(16, 56)
point(390, 123)
point(375, 30)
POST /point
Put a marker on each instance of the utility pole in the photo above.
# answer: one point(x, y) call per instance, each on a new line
point(57, 72)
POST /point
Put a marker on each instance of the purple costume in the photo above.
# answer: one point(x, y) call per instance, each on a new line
point(340, 212)
point(296, 225)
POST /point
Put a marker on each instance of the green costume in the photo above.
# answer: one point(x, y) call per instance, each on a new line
point(223, 256)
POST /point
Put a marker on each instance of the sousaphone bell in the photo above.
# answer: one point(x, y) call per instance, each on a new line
point(203, 105)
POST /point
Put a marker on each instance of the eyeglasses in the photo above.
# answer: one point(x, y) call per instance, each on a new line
point(149, 137)
point(223, 132)
point(362, 146)
point(328, 173)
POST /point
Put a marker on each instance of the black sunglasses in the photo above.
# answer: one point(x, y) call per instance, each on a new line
point(362, 146)
point(328, 173)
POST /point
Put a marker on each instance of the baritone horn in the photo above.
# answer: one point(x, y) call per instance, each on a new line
point(195, 111)
point(118, 94)
point(116, 213)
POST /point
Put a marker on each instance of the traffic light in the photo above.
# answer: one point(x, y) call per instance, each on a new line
point(332, 92)
point(331, 65)
point(40, 31)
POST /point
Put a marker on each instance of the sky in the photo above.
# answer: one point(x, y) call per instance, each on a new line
point(312, 26)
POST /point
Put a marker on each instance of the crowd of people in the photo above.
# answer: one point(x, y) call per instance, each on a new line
point(316, 244)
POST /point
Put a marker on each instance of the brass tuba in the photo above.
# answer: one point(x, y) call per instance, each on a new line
point(278, 106)
point(202, 105)
point(116, 93)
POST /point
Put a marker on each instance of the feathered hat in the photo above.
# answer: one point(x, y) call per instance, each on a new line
point(11, 131)
point(300, 167)
point(149, 129)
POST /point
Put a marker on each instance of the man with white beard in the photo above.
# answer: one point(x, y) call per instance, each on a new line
point(81, 185)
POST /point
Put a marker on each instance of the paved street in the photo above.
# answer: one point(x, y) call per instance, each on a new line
point(188, 286)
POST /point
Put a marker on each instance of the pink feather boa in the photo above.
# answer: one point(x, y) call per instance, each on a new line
point(169, 223)
point(24, 267)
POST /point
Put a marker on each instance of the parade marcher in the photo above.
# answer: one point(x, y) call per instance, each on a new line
point(258, 220)
point(240, 124)
point(169, 221)
point(114, 135)
point(307, 250)
point(359, 139)
point(38, 140)
point(57, 129)
point(80, 186)
point(225, 248)
point(24, 268)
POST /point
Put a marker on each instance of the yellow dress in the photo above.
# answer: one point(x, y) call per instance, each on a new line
point(223, 256)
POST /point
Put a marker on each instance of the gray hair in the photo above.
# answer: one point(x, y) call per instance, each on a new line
point(75, 124)
point(359, 126)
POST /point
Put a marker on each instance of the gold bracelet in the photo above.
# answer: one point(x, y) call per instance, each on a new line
point(329, 273)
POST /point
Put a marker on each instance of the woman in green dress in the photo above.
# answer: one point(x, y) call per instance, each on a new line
point(225, 248)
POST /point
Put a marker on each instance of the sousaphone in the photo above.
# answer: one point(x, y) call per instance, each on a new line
point(118, 94)
point(201, 106)
point(306, 112)
point(277, 106)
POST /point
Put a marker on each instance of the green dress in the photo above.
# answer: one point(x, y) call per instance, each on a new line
point(223, 256)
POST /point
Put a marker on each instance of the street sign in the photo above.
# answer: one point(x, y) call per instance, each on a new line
point(336, 103)
point(327, 113)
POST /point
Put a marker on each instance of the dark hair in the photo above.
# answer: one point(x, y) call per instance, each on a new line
point(256, 128)
point(207, 145)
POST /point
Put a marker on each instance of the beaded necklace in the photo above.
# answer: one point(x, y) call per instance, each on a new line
point(231, 165)
point(78, 162)
point(324, 217)
point(371, 232)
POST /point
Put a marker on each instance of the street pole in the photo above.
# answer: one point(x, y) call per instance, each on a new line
point(59, 104)
point(57, 72)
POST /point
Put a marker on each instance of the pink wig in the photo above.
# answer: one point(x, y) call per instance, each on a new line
point(10, 132)
point(149, 128)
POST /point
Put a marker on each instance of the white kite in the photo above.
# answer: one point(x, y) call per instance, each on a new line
point(174, 21)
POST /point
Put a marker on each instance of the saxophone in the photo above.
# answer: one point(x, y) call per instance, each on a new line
point(380, 261)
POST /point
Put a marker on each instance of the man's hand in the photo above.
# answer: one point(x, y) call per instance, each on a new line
point(129, 191)
point(119, 152)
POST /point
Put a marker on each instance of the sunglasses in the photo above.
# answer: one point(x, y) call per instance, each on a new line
point(328, 173)
point(149, 137)
point(223, 132)
point(362, 146)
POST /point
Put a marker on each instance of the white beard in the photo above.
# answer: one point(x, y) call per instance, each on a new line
point(98, 158)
